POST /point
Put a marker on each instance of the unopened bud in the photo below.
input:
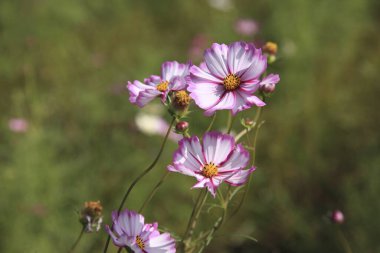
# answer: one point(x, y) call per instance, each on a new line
point(337, 217)
point(248, 122)
point(270, 48)
point(268, 88)
point(182, 126)
point(91, 216)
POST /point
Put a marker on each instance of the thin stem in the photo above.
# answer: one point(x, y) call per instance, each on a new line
point(150, 196)
point(195, 214)
point(211, 123)
point(146, 171)
point(230, 122)
point(249, 178)
point(77, 240)
point(344, 241)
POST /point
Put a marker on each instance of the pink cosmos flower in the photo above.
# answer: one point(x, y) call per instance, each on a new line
point(129, 230)
point(228, 78)
point(18, 125)
point(173, 78)
point(246, 27)
point(216, 160)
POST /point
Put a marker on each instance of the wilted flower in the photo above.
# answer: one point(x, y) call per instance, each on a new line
point(268, 84)
point(228, 78)
point(337, 217)
point(129, 230)
point(91, 216)
point(270, 49)
point(18, 125)
point(247, 27)
point(172, 79)
point(216, 160)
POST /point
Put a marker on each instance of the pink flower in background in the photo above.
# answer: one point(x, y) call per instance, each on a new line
point(197, 47)
point(173, 78)
point(216, 160)
point(246, 27)
point(337, 217)
point(129, 230)
point(151, 124)
point(18, 125)
point(228, 78)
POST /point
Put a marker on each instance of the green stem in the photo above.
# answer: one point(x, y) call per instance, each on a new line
point(77, 240)
point(146, 171)
point(344, 242)
point(195, 214)
point(154, 191)
point(249, 178)
point(211, 123)
point(230, 122)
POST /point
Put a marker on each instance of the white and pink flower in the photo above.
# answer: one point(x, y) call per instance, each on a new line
point(218, 159)
point(129, 230)
point(173, 78)
point(228, 78)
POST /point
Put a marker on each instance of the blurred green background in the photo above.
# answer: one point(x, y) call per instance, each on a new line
point(63, 66)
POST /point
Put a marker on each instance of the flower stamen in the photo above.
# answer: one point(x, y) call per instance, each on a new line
point(140, 242)
point(210, 170)
point(163, 86)
point(231, 82)
point(181, 98)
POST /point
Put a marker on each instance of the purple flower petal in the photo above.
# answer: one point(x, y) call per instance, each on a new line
point(216, 60)
point(217, 147)
point(240, 55)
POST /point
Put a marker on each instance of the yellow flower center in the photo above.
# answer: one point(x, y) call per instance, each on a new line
point(181, 98)
point(163, 86)
point(231, 82)
point(210, 170)
point(140, 242)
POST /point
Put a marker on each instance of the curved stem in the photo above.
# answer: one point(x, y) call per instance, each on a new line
point(141, 176)
point(195, 214)
point(150, 196)
point(344, 242)
point(77, 240)
point(230, 122)
point(211, 123)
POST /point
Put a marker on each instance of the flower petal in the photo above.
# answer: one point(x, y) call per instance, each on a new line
point(240, 178)
point(216, 60)
point(258, 66)
point(270, 79)
point(205, 95)
point(226, 101)
point(170, 70)
point(238, 159)
point(240, 56)
point(217, 147)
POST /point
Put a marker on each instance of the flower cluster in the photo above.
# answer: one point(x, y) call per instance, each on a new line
point(230, 77)
point(130, 230)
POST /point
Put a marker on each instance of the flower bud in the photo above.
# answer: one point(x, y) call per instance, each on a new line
point(91, 216)
point(337, 217)
point(268, 88)
point(270, 48)
point(180, 101)
point(182, 126)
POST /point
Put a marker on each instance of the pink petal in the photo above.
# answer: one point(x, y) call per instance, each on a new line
point(240, 56)
point(205, 95)
point(258, 66)
point(217, 147)
point(216, 60)
point(170, 70)
point(255, 100)
point(226, 101)
point(238, 159)
point(241, 177)
point(270, 79)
